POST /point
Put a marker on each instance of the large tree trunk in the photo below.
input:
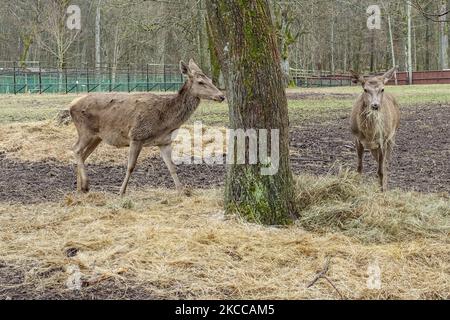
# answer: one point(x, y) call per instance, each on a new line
point(244, 34)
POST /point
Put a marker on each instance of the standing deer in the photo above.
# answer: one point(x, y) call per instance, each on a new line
point(137, 120)
point(374, 122)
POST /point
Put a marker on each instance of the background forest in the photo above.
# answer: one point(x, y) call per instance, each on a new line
point(313, 35)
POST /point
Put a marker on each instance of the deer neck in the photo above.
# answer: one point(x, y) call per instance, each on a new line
point(372, 123)
point(184, 104)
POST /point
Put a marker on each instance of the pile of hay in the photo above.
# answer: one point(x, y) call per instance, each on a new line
point(159, 244)
point(345, 204)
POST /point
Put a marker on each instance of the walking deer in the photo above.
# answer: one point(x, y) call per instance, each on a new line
point(374, 121)
point(137, 121)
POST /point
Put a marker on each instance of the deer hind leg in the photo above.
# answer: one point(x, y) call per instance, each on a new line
point(135, 150)
point(90, 148)
point(81, 147)
point(360, 153)
point(387, 162)
point(166, 154)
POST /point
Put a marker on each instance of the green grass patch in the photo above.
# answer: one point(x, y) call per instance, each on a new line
point(319, 103)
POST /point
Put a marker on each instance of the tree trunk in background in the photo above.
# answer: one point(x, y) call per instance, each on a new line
point(213, 56)
point(27, 42)
point(444, 37)
point(332, 46)
point(427, 46)
point(409, 51)
point(200, 26)
point(97, 38)
point(244, 35)
point(372, 51)
point(391, 39)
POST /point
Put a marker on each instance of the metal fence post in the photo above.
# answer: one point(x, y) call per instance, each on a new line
point(110, 77)
point(65, 74)
point(40, 78)
point(165, 80)
point(14, 76)
point(148, 84)
point(87, 78)
point(128, 77)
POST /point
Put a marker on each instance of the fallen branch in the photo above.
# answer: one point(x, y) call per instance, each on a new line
point(323, 274)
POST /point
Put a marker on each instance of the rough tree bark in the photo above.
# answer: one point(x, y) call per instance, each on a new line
point(213, 56)
point(244, 35)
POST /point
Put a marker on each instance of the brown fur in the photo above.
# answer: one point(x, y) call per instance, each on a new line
point(374, 122)
point(137, 120)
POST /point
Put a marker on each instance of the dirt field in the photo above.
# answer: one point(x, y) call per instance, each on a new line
point(157, 244)
point(420, 161)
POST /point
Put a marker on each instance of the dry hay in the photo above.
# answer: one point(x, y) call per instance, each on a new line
point(45, 140)
point(172, 246)
point(344, 203)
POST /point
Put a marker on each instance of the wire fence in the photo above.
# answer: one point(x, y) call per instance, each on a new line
point(310, 78)
point(319, 78)
point(38, 78)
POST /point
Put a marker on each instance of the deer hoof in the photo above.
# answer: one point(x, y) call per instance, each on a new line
point(182, 190)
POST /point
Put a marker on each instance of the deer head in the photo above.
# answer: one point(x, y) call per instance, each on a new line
point(373, 87)
point(202, 86)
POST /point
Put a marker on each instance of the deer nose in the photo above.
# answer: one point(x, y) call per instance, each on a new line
point(221, 98)
point(375, 106)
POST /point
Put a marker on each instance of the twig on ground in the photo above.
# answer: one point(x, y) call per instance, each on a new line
point(323, 274)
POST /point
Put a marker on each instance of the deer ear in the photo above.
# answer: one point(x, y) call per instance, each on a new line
point(388, 75)
point(357, 78)
point(184, 68)
point(194, 67)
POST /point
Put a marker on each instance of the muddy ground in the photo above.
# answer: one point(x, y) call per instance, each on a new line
point(420, 161)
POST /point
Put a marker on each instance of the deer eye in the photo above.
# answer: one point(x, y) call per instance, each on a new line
point(365, 90)
point(382, 90)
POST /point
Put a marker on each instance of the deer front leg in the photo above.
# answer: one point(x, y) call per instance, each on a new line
point(135, 150)
point(360, 153)
point(382, 169)
point(166, 154)
point(79, 149)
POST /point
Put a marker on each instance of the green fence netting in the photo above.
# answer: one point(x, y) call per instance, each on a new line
point(15, 80)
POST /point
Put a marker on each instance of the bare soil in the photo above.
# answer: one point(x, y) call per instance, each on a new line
point(420, 161)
